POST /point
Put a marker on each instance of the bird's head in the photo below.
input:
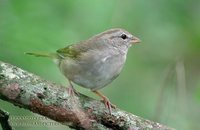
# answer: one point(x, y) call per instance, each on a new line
point(118, 38)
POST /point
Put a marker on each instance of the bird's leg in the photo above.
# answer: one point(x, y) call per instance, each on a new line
point(106, 101)
point(71, 91)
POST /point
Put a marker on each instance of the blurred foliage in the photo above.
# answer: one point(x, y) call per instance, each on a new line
point(161, 78)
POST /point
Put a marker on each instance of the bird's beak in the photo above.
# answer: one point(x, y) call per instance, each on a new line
point(135, 40)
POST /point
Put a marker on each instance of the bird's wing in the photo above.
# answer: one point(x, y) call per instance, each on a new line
point(73, 51)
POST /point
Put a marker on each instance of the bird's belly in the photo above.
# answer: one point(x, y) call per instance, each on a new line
point(94, 74)
point(98, 76)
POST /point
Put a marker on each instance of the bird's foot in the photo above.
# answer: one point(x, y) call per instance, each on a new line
point(71, 91)
point(106, 101)
point(108, 104)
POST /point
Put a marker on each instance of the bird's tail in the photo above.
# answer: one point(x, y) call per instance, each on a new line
point(43, 54)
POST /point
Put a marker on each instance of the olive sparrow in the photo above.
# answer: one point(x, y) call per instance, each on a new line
point(96, 62)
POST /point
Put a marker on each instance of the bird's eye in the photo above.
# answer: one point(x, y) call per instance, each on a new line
point(123, 36)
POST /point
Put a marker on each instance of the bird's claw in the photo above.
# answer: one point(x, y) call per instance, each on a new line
point(70, 91)
point(108, 105)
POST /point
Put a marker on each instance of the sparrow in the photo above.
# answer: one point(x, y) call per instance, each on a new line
point(94, 63)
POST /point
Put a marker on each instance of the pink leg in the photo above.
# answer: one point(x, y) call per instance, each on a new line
point(71, 91)
point(106, 101)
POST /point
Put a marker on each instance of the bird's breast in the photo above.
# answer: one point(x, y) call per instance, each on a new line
point(94, 70)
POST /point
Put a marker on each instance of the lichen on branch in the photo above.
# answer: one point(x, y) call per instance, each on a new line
point(31, 92)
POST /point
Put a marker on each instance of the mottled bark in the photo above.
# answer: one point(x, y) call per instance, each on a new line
point(29, 91)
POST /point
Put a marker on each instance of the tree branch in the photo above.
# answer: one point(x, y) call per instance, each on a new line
point(29, 91)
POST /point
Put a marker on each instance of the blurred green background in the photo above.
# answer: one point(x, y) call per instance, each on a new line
point(161, 78)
